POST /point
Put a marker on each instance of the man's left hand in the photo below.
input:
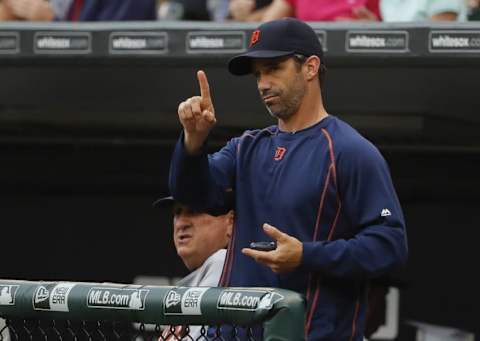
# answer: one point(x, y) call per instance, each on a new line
point(285, 258)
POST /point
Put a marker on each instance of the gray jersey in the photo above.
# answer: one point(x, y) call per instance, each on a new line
point(207, 275)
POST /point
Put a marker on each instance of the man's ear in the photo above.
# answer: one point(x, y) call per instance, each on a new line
point(312, 65)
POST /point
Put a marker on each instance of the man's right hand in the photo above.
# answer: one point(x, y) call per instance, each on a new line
point(197, 116)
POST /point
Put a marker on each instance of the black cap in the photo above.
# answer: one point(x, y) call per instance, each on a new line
point(169, 201)
point(278, 38)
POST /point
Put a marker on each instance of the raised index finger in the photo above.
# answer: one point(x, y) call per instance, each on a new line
point(204, 87)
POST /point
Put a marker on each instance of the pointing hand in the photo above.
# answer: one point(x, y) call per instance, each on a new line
point(197, 116)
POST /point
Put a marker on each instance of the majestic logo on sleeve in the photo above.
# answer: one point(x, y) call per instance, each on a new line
point(255, 37)
point(279, 153)
point(385, 212)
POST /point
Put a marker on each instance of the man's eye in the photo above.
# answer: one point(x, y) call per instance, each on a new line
point(273, 68)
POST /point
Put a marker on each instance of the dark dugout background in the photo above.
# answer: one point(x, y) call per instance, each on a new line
point(85, 145)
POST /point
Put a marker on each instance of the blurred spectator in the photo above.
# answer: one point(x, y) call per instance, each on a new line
point(183, 10)
point(248, 10)
point(34, 10)
point(206, 10)
point(473, 9)
point(191, 10)
point(78, 10)
point(368, 10)
point(5, 12)
point(170, 10)
point(117, 10)
point(218, 9)
point(416, 10)
point(324, 10)
point(419, 10)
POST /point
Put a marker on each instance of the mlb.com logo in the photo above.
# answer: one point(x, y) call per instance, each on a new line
point(117, 298)
point(237, 299)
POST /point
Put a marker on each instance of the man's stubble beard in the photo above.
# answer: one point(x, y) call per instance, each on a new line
point(290, 102)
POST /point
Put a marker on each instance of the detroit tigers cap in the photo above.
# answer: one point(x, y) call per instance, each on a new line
point(277, 38)
point(169, 201)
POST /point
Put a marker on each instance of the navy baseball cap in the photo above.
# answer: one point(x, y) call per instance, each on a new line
point(277, 38)
point(169, 201)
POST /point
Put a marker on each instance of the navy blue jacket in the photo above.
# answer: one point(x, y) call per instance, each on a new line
point(326, 186)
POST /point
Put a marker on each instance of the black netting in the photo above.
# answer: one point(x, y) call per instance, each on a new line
point(67, 330)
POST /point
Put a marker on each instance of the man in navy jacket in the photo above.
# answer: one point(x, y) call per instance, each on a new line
point(311, 183)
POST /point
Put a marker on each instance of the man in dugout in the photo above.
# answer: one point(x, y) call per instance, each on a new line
point(311, 183)
point(200, 238)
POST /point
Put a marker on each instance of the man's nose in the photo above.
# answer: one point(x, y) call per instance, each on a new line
point(181, 221)
point(263, 83)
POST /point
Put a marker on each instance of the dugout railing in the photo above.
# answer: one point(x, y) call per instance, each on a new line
point(109, 311)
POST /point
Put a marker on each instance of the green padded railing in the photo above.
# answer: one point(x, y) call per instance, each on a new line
point(281, 312)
